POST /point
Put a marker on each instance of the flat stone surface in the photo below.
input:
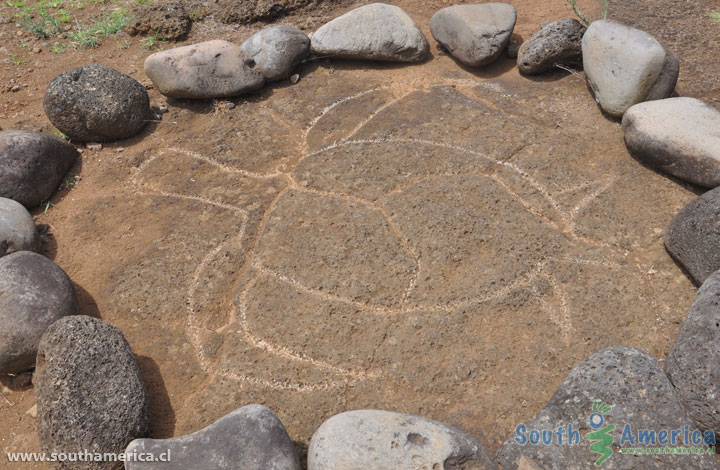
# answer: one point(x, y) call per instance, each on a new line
point(693, 364)
point(32, 165)
point(372, 32)
point(559, 42)
point(277, 50)
point(34, 293)
point(94, 103)
point(376, 440)
point(212, 69)
point(17, 228)
point(638, 394)
point(693, 236)
point(523, 209)
point(250, 438)
point(624, 65)
point(89, 391)
point(679, 136)
point(476, 35)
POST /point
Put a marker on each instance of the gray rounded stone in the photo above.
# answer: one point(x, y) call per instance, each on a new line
point(379, 440)
point(475, 35)
point(90, 395)
point(372, 32)
point(249, 438)
point(693, 236)
point(17, 228)
point(678, 136)
point(94, 103)
point(693, 364)
point(625, 66)
point(212, 69)
point(34, 293)
point(277, 50)
point(557, 43)
point(640, 395)
point(32, 165)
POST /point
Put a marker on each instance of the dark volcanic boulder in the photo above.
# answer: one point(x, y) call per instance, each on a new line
point(34, 293)
point(693, 236)
point(89, 391)
point(605, 402)
point(32, 165)
point(693, 364)
point(94, 103)
point(250, 438)
point(557, 43)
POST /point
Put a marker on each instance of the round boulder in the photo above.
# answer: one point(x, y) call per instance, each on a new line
point(94, 103)
point(32, 165)
point(90, 395)
point(277, 50)
point(17, 228)
point(34, 293)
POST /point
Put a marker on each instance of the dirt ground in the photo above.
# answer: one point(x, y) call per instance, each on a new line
point(428, 239)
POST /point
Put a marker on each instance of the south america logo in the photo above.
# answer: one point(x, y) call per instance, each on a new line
point(601, 439)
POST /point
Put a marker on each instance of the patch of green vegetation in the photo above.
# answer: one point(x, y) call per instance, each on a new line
point(46, 206)
point(88, 36)
point(42, 18)
point(714, 15)
point(144, 2)
point(16, 59)
point(152, 41)
point(57, 48)
point(579, 13)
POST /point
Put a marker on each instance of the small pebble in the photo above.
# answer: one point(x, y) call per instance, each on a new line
point(93, 146)
point(294, 78)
